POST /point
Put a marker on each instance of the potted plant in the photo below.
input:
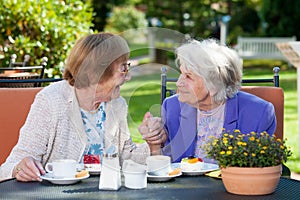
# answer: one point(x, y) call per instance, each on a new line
point(250, 163)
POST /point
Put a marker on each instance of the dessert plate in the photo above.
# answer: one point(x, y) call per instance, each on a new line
point(94, 171)
point(162, 178)
point(62, 181)
point(207, 167)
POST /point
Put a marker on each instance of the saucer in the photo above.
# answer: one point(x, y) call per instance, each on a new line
point(93, 171)
point(207, 167)
point(162, 178)
point(62, 181)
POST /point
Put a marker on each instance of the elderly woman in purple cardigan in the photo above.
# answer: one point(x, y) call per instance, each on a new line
point(208, 99)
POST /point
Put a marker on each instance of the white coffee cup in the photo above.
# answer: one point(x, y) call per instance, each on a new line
point(158, 165)
point(64, 168)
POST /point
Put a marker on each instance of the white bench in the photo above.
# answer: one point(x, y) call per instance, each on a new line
point(261, 47)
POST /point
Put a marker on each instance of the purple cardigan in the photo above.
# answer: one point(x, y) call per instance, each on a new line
point(244, 111)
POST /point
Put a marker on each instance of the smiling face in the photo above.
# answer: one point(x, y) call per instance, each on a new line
point(110, 89)
point(192, 90)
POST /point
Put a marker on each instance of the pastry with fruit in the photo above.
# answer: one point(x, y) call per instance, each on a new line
point(191, 164)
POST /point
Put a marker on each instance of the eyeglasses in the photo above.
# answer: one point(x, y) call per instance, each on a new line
point(125, 68)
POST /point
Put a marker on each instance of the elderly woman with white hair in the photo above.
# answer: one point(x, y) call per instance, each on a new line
point(209, 99)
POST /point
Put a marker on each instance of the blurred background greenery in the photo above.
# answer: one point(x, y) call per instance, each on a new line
point(50, 28)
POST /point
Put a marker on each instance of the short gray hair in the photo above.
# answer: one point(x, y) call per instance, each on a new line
point(220, 66)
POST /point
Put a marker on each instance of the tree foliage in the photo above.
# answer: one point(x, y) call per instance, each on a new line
point(102, 10)
point(125, 18)
point(42, 28)
point(195, 17)
point(281, 17)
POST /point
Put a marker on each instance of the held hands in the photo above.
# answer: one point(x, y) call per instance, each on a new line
point(28, 170)
point(153, 132)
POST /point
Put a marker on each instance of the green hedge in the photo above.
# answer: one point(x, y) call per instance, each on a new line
point(42, 28)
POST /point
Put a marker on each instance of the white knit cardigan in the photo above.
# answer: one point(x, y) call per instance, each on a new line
point(54, 130)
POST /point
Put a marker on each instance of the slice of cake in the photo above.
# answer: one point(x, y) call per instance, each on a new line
point(191, 164)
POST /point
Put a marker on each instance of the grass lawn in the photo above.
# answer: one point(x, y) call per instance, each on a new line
point(143, 94)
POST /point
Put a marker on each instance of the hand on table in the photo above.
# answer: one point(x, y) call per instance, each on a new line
point(28, 170)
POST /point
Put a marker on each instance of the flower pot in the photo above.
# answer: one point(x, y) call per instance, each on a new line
point(251, 181)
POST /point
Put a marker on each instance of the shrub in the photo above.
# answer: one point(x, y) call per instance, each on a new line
point(125, 18)
point(42, 28)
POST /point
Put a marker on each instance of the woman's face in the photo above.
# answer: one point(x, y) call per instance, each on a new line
point(110, 89)
point(191, 88)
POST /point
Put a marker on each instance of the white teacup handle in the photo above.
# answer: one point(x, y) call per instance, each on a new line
point(49, 168)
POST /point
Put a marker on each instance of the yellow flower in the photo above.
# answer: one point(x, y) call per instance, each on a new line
point(237, 131)
point(247, 150)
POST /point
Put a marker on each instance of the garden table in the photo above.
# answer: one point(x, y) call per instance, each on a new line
point(183, 187)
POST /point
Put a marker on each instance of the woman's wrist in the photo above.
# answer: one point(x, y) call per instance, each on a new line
point(155, 149)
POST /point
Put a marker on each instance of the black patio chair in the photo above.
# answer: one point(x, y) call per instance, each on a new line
point(14, 75)
point(169, 92)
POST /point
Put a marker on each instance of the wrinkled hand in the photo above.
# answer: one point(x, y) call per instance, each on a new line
point(28, 170)
point(153, 132)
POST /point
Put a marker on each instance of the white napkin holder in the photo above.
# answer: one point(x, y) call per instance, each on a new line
point(110, 178)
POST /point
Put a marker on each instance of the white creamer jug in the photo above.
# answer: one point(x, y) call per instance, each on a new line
point(135, 175)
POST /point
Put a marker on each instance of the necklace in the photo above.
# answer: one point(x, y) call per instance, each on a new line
point(211, 112)
point(94, 111)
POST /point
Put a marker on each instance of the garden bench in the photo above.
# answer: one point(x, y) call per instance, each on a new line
point(261, 47)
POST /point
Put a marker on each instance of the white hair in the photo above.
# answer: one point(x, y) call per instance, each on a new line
point(219, 66)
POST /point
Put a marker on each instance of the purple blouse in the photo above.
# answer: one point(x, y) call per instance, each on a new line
point(244, 111)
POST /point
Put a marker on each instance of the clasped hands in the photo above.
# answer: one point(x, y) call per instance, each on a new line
point(152, 130)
